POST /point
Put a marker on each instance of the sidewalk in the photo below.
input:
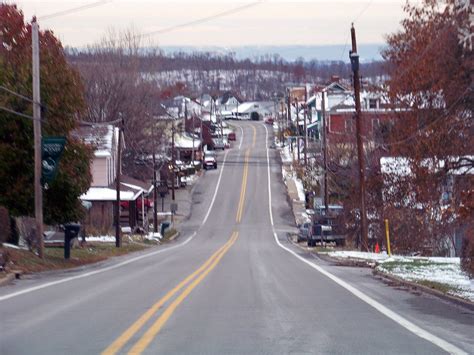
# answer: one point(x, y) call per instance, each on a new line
point(183, 198)
point(297, 205)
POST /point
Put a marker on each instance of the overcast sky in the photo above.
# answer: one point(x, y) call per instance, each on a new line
point(270, 22)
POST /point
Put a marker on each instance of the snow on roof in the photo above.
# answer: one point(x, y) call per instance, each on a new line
point(106, 194)
point(184, 141)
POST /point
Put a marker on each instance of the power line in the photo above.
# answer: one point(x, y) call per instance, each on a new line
point(16, 113)
point(363, 10)
point(74, 10)
point(201, 20)
point(436, 120)
point(16, 94)
point(99, 124)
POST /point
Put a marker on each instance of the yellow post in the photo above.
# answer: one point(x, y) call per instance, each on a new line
point(387, 234)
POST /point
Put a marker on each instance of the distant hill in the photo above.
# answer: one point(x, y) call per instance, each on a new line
point(367, 52)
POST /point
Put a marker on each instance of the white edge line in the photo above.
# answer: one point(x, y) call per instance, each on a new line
point(443, 344)
point(215, 192)
point(241, 137)
point(95, 272)
point(126, 262)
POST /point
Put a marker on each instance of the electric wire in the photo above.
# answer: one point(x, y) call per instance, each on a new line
point(17, 113)
point(201, 20)
point(16, 94)
point(74, 10)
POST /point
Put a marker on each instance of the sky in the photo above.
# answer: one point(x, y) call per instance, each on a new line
point(270, 22)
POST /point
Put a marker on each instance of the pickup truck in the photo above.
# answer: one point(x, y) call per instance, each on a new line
point(322, 229)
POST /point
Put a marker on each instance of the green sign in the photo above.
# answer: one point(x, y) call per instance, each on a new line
point(51, 150)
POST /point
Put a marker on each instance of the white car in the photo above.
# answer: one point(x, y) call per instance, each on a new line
point(210, 160)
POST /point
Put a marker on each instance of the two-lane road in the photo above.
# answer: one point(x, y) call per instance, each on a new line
point(232, 284)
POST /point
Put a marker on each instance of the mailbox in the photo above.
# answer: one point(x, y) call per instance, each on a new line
point(71, 231)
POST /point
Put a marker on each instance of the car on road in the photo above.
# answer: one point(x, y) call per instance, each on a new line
point(210, 160)
point(269, 120)
point(218, 143)
point(231, 136)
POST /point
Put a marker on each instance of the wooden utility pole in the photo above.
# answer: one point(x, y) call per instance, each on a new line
point(118, 239)
point(354, 57)
point(155, 194)
point(325, 154)
point(297, 131)
point(37, 137)
point(305, 115)
point(173, 177)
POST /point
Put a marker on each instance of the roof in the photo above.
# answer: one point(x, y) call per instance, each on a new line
point(185, 141)
point(106, 194)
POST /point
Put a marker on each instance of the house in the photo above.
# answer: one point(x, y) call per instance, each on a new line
point(254, 110)
point(101, 196)
point(228, 102)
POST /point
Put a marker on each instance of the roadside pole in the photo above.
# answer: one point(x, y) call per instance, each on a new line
point(354, 57)
point(155, 195)
point(325, 154)
point(37, 137)
point(297, 131)
point(305, 116)
point(173, 177)
point(118, 239)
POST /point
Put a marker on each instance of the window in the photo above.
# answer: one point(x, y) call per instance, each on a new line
point(375, 125)
point(349, 125)
point(373, 103)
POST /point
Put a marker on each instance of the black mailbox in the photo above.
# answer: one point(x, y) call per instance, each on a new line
point(71, 231)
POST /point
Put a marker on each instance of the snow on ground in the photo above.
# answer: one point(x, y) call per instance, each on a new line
point(299, 187)
point(153, 236)
point(446, 271)
point(101, 238)
point(286, 155)
point(359, 255)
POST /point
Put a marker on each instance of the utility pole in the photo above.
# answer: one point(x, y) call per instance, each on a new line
point(297, 131)
point(37, 137)
point(354, 57)
point(118, 239)
point(155, 195)
point(173, 177)
point(305, 115)
point(325, 154)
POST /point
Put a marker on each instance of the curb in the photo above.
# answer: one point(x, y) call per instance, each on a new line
point(432, 291)
point(173, 237)
point(10, 277)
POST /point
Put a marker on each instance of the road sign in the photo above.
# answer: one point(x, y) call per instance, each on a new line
point(51, 150)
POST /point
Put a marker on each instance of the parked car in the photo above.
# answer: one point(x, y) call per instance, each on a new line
point(218, 143)
point(303, 232)
point(269, 120)
point(210, 160)
point(231, 136)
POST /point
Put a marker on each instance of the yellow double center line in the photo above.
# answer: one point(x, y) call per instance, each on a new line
point(240, 209)
point(145, 340)
point(188, 284)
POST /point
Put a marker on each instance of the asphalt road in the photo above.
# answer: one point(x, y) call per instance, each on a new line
point(231, 284)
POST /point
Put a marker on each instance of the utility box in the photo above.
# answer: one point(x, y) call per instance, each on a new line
point(71, 231)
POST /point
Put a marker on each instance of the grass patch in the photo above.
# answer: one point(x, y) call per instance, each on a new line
point(407, 265)
point(438, 286)
point(29, 262)
point(168, 234)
